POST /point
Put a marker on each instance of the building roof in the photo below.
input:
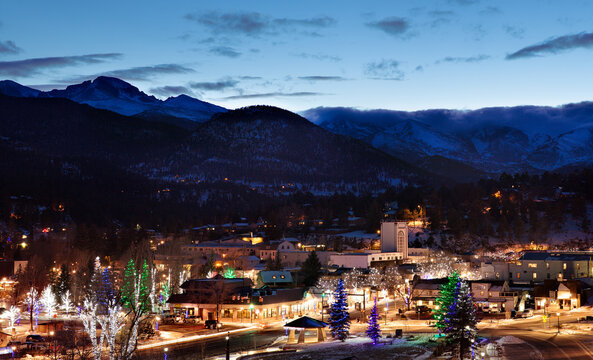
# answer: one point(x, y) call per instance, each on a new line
point(268, 277)
point(306, 323)
point(556, 256)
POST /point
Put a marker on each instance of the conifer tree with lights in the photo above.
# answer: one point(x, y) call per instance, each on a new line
point(339, 318)
point(461, 319)
point(374, 330)
point(444, 301)
point(127, 289)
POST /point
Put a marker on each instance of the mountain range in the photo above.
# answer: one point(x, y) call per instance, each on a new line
point(123, 98)
point(490, 140)
point(257, 146)
point(186, 138)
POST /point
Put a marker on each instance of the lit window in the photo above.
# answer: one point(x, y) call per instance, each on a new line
point(547, 265)
point(564, 266)
point(532, 265)
point(518, 275)
point(519, 263)
point(578, 267)
point(535, 275)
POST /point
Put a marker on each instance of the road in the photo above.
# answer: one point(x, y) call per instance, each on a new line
point(244, 341)
point(543, 338)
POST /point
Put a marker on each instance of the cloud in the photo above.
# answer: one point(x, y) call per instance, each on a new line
point(319, 22)
point(9, 47)
point(464, 2)
point(554, 46)
point(225, 51)
point(384, 70)
point(318, 57)
point(256, 24)
point(140, 73)
point(491, 10)
point(214, 86)
point(322, 78)
point(392, 25)
point(170, 90)
point(515, 32)
point(29, 67)
point(272, 94)
point(469, 59)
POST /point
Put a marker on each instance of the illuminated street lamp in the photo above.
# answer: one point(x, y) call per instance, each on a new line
point(251, 312)
point(158, 318)
point(165, 351)
point(228, 348)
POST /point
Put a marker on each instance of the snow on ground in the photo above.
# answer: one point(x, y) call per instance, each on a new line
point(515, 348)
point(361, 347)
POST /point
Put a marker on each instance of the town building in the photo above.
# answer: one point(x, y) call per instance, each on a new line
point(394, 237)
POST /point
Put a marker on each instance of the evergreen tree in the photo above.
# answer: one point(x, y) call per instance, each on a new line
point(339, 318)
point(145, 287)
point(127, 289)
point(461, 319)
point(444, 301)
point(311, 270)
point(61, 283)
point(374, 330)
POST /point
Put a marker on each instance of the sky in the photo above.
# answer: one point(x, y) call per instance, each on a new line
point(405, 55)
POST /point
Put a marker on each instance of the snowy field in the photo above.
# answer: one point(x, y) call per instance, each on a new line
point(360, 347)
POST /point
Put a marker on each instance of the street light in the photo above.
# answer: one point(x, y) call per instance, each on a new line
point(165, 351)
point(322, 297)
point(158, 318)
point(482, 354)
point(228, 351)
point(251, 312)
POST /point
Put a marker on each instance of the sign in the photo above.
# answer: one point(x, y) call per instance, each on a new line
point(544, 318)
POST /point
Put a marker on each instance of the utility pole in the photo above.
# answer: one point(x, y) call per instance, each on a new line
point(558, 315)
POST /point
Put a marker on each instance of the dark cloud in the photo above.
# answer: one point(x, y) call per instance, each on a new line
point(419, 68)
point(225, 51)
point(554, 45)
point(384, 70)
point(169, 90)
point(318, 57)
point(9, 47)
point(469, 59)
point(250, 77)
point(29, 67)
point(255, 24)
point(440, 17)
point(214, 86)
point(322, 78)
point(318, 22)
point(515, 32)
point(140, 73)
point(273, 94)
point(392, 25)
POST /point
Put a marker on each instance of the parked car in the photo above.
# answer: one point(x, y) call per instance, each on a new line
point(211, 324)
point(422, 309)
point(194, 319)
point(34, 338)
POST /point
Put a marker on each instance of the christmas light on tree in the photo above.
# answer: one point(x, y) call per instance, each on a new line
point(444, 301)
point(374, 330)
point(461, 319)
point(339, 318)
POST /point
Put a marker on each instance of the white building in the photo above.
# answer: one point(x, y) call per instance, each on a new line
point(362, 260)
point(394, 237)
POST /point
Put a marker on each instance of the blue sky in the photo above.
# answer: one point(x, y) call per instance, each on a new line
point(406, 55)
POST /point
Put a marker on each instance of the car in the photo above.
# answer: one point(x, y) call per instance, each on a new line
point(422, 309)
point(211, 324)
point(192, 319)
point(34, 338)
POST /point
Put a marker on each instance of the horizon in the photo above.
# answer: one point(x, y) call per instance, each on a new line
point(438, 55)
